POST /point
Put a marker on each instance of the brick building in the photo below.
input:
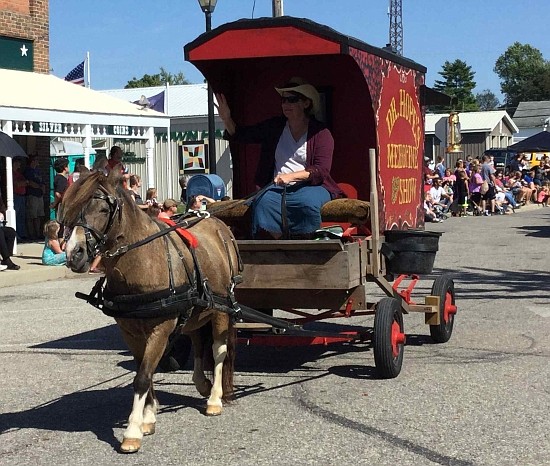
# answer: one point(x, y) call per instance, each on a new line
point(24, 35)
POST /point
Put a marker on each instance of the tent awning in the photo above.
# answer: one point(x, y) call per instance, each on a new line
point(45, 98)
point(539, 142)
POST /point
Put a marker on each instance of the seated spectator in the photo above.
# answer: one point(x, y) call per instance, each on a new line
point(543, 195)
point(528, 182)
point(196, 202)
point(449, 177)
point(503, 194)
point(440, 199)
point(54, 248)
point(7, 240)
point(135, 185)
point(428, 174)
point(153, 208)
point(169, 208)
point(518, 163)
point(517, 188)
point(430, 215)
point(545, 167)
point(151, 196)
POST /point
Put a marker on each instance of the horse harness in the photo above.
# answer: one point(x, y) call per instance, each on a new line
point(172, 302)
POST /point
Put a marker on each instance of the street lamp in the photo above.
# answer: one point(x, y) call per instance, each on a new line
point(207, 6)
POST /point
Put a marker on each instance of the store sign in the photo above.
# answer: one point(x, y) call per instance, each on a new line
point(47, 127)
point(16, 54)
point(120, 130)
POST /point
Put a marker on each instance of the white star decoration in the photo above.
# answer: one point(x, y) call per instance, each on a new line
point(24, 51)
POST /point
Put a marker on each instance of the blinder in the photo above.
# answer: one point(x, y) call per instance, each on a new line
point(95, 239)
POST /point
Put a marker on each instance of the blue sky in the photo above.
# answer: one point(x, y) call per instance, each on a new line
point(128, 38)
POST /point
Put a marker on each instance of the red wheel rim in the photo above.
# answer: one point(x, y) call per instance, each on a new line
point(397, 338)
point(449, 309)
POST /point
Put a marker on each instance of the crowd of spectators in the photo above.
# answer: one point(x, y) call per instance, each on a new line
point(474, 186)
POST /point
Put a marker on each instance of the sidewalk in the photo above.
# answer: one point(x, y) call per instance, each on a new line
point(29, 257)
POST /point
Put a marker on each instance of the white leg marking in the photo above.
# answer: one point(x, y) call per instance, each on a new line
point(220, 351)
point(136, 418)
point(149, 413)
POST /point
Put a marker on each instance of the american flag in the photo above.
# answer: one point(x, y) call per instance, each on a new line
point(76, 75)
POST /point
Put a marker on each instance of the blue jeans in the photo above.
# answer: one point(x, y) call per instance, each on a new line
point(303, 209)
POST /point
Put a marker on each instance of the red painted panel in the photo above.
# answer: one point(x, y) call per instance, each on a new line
point(266, 42)
point(400, 134)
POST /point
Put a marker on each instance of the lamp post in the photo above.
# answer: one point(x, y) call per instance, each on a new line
point(207, 6)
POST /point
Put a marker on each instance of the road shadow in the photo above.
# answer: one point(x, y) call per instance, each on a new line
point(481, 283)
point(105, 338)
point(536, 231)
point(96, 411)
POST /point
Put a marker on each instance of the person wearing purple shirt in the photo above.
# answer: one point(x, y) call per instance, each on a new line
point(296, 156)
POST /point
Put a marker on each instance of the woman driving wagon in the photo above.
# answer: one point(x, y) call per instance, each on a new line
point(296, 155)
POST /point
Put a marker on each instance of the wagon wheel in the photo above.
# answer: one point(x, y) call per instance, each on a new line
point(177, 353)
point(444, 287)
point(388, 338)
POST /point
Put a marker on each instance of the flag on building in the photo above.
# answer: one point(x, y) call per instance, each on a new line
point(155, 102)
point(76, 76)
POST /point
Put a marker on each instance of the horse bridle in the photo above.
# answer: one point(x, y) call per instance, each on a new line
point(95, 239)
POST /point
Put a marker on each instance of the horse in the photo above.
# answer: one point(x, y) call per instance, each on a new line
point(155, 284)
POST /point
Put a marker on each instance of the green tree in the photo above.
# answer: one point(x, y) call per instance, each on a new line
point(159, 79)
point(458, 82)
point(523, 74)
point(487, 100)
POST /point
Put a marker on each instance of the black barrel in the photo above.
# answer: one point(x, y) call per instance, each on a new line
point(410, 251)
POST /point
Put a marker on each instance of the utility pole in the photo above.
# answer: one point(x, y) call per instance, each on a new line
point(396, 25)
point(277, 8)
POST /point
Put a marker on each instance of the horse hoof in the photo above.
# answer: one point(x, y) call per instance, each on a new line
point(130, 445)
point(148, 428)
point(213, 410)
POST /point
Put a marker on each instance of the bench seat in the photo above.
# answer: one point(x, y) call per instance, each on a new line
point(353, 211)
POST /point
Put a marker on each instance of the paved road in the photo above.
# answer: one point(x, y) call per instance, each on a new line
point(483, 398)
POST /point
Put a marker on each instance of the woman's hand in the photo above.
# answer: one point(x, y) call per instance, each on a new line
point(224, 113)
point(223, 108)
point(283, 179)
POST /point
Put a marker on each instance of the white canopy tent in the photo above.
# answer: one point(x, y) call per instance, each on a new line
point(34, 104)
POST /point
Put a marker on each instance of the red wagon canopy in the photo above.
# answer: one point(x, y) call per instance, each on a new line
point(371, 98)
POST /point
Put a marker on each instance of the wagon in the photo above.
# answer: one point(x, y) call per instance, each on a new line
point(373, 102)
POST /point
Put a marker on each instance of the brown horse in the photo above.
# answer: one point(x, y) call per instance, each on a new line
point(149, 288)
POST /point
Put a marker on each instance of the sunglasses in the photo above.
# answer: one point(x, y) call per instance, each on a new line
point(291, 99)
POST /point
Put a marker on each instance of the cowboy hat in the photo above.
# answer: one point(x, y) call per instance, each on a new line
point(299, 86)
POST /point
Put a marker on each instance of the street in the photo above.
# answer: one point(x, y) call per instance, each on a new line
point(480, 399)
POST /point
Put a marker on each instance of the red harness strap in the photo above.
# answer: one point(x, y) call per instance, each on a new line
point(189, 239)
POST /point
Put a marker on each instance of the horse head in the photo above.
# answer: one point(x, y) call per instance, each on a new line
point(90, 209)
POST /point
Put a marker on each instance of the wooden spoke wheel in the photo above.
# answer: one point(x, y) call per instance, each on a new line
point(388, 338)
point(444, 287)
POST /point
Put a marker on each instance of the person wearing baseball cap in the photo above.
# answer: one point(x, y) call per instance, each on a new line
point(169, 208)
point(296, 156)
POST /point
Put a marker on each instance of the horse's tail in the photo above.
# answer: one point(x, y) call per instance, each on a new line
point(229, 364)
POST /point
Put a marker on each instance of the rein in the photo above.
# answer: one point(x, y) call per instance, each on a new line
point(181, 223)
